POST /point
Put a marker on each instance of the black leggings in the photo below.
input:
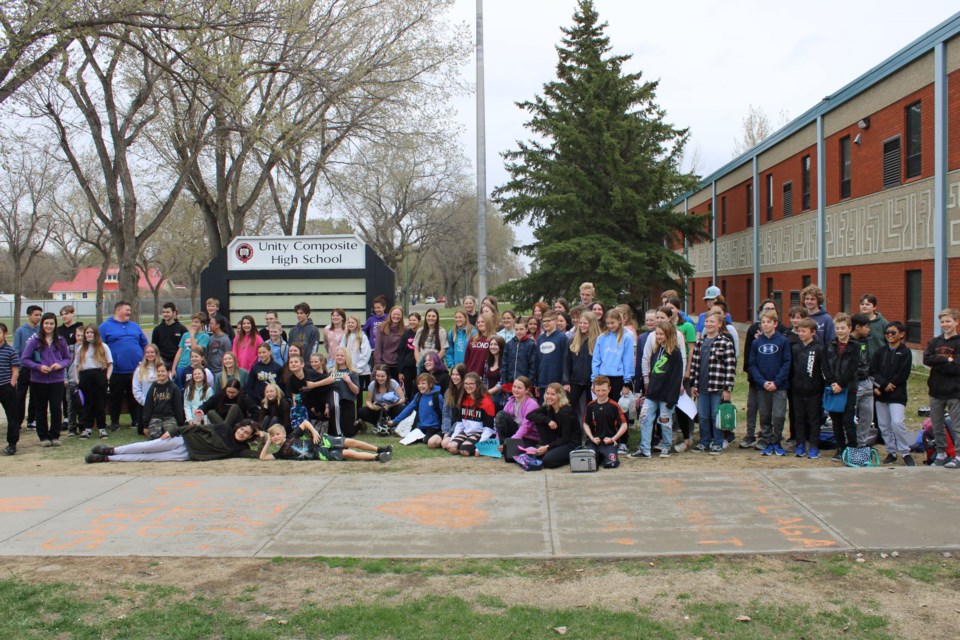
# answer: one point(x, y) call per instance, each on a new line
point(121, 387)
point(558, 456)
point(579, 396)
point(8, 400)
point(371, 416)
point(93, 385)
point(348, 418)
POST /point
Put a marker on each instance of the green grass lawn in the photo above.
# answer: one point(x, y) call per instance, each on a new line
point(139, 609)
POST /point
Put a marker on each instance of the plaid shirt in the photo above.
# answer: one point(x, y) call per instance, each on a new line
point(722, 371)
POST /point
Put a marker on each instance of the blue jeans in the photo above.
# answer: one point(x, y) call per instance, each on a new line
point(707, 406)
point(651, 409)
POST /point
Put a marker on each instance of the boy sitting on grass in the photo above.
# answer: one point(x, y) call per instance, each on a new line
point(604, 424)
point(318, 446)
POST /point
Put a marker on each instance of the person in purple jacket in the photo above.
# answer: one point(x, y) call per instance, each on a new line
point(47, 356)
point(127, 342)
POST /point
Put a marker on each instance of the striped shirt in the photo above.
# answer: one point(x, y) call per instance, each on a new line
point(8, 361)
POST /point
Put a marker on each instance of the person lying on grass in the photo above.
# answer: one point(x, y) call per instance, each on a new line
point(200, 442)
point(318, 446)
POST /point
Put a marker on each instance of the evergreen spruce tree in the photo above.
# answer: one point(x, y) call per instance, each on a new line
point(597, 181)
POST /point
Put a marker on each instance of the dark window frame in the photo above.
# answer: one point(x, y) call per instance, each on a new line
point(787, 191)
point(846, 167)
point(913, 152)
point(913, 309)
point(892, 165)
point(769, 197)
point(749, 204)
point(806, 168)
point(846, 292)
point(723, 215)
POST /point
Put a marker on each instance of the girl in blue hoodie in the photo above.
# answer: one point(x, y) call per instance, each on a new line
point(457, 339)
point(613, 355)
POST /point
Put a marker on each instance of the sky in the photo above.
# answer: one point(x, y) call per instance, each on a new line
point(713, 60)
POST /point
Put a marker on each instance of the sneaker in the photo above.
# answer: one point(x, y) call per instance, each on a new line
point(659, 448)
point(726, 443)
point(32, 424)
point(665, 453)
point(95, 457)
point(760, 445)
point(45, 443)
point(813, 454)
point(716, 449)
point(71, 433)
point(103, 433)
point(680, 447)
point(837, 457)
point(908, 460)
point(953, 464)
point(11, 450)
point(777, 449)
point(940, 461)
point(384, 456)
point(622, 449)
point(700, 448)
point(638, 454)
point(748, 443)
point(386, 449)
point(55, 442)
point(890, 459)
point(800, 451)
point(115, 427)
point(767, 451)
point(102, 450)
point(85, 434)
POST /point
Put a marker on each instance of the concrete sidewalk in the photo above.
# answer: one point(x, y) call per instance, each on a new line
point(607, 514)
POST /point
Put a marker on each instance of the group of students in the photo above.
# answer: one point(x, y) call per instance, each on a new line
point(563, 377)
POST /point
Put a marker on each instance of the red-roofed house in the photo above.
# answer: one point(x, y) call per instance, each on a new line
point(84, 284)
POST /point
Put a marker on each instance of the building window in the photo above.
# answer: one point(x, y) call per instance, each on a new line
point(750, 311)
point(806, 282)
point(805, 196)
point(787, 199)
point(750, 205)
point(891, 163)
point(723, 289)
point(914, 305)
point(913, 140)
point(769, 197)
point(723, 215)
point(770, 288)
point(846, 287)
point(845, 167)
point(709, 219)
point(794, 298)
point(778, 300)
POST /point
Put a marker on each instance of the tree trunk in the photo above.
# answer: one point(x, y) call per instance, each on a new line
point(101, 278)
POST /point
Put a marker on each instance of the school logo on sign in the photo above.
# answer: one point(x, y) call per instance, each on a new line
point(244, 252)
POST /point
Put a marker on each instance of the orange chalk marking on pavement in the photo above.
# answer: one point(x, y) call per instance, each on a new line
point(625, 541)
point(453, 509)
point(23, 503)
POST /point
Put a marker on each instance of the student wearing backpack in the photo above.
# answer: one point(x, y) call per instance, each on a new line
point(941, 356)
point(840, 363)
point(890, 369)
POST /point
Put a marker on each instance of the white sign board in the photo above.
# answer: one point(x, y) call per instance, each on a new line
point(295, 253)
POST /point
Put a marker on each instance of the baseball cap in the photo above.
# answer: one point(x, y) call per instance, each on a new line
point(711, 293)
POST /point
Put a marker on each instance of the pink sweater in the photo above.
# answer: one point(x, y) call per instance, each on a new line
point(527, 429)
point(246, 353)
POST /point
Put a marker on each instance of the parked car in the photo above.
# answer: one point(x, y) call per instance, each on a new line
point(441, 300)
point(430, 300)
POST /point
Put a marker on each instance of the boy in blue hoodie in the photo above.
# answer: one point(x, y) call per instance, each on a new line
point(770, 372)
point(552, 347)
point(428, 403)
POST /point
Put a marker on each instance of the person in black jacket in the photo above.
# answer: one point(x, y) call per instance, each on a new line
point(163, 409)
point(806, 388)
point(890, 369)
point(941, 356)
point(578, 362)
point(840, 363)
point(406, 356)
point(663, 390)
point(229, 406)
point(558, 427)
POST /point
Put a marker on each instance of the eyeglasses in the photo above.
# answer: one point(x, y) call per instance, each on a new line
point(891, 333)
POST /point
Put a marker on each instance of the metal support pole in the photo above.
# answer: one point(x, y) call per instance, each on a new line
point(481, 165)
point(940, 266)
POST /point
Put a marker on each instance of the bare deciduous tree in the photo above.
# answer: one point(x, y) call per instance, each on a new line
point(28, 179)
point(755, 128)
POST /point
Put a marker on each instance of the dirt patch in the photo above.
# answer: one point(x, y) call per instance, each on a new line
point(660, 588)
